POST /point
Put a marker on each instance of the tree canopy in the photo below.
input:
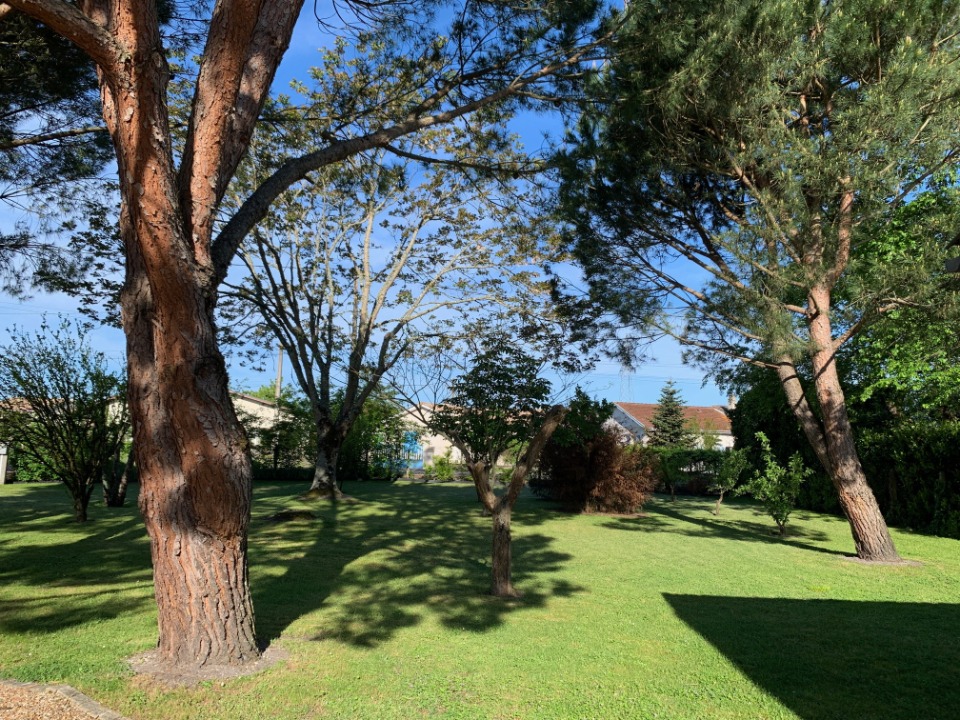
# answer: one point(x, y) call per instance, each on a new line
point(499, 404)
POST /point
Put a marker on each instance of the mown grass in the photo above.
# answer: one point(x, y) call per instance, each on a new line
point(381, 606)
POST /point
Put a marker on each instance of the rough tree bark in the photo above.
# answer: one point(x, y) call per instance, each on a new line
point(191, 450)
point(832, 440)
point(324, 483)
point(870, 533)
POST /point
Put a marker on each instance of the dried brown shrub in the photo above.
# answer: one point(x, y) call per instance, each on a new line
point(601, 475)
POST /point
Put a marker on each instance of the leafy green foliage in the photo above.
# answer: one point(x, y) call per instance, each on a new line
point(739, 168)
point(286, 440)
point(777, 486)
point(761, 408)
point(381, 258)
point(583, 421)
point(47, 86)
point(377, 444)
point(728, 475)
point(599, 475)
point(686, 470)
point(494, 406)
point(441, 469)
point(587, 468)
point(62, 407)
point(915, 472)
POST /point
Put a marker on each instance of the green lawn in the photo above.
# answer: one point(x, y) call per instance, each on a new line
point(382, 610)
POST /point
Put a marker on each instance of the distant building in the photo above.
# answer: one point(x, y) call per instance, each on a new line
point(635, 420)
point(263, 413)
point(430, 444)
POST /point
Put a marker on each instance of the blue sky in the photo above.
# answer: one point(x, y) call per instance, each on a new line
point(608, 380)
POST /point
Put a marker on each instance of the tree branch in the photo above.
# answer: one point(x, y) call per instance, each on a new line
point(258, 204)
point(67, 20)
point(62, 134)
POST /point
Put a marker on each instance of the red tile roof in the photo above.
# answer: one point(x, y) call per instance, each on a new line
point(712, 418)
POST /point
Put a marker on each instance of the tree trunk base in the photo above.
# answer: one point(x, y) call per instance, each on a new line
point(175, 675)
point(326, 493)
point(507, 593)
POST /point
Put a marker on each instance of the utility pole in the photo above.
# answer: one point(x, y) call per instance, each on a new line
point(276, 401)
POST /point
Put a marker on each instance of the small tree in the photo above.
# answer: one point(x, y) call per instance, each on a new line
point(731, 468)
point(500, 404)
point(776, 486)
point(62, 407)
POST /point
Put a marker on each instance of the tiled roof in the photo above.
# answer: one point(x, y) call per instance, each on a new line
point(711, 418)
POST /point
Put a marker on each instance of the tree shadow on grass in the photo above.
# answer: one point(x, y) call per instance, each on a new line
point(404, 552)
point(84, 577)
point(689, 519)
point(386, 563)
point(837, 659)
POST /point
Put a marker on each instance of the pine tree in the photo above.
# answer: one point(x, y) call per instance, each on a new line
point(669, 424)
point(768, 144)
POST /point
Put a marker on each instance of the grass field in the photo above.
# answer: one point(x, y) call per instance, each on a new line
point(382, 610)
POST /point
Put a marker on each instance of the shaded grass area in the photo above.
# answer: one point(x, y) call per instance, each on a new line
point(382, 608)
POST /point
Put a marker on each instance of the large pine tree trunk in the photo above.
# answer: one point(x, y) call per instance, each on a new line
point(195, 487)
point(195, 472)
point(859, 504)
point(834, 443)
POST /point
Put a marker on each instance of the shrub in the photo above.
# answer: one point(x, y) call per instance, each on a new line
point(690, 471)
point(731, 468)
point(601, 475)
point(776, 486)
point(440, 470)
point(914, 469)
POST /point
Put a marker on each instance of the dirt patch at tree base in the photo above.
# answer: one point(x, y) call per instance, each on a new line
point(291, 516)
point(883, 563)
point(150, 668)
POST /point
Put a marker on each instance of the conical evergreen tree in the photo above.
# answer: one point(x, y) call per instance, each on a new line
point(669, 424)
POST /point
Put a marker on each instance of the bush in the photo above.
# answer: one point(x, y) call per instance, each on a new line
point(601, 475)
point(728, 475)
point(914, 470)
point(690, 471)
point(440, 470)
point(26, 469)
point(776, 486)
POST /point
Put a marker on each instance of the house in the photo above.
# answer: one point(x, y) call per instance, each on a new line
point(431, 445)
point(634, 420)
point(262, 413)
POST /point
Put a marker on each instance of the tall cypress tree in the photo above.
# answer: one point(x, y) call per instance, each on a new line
point(669, 424)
